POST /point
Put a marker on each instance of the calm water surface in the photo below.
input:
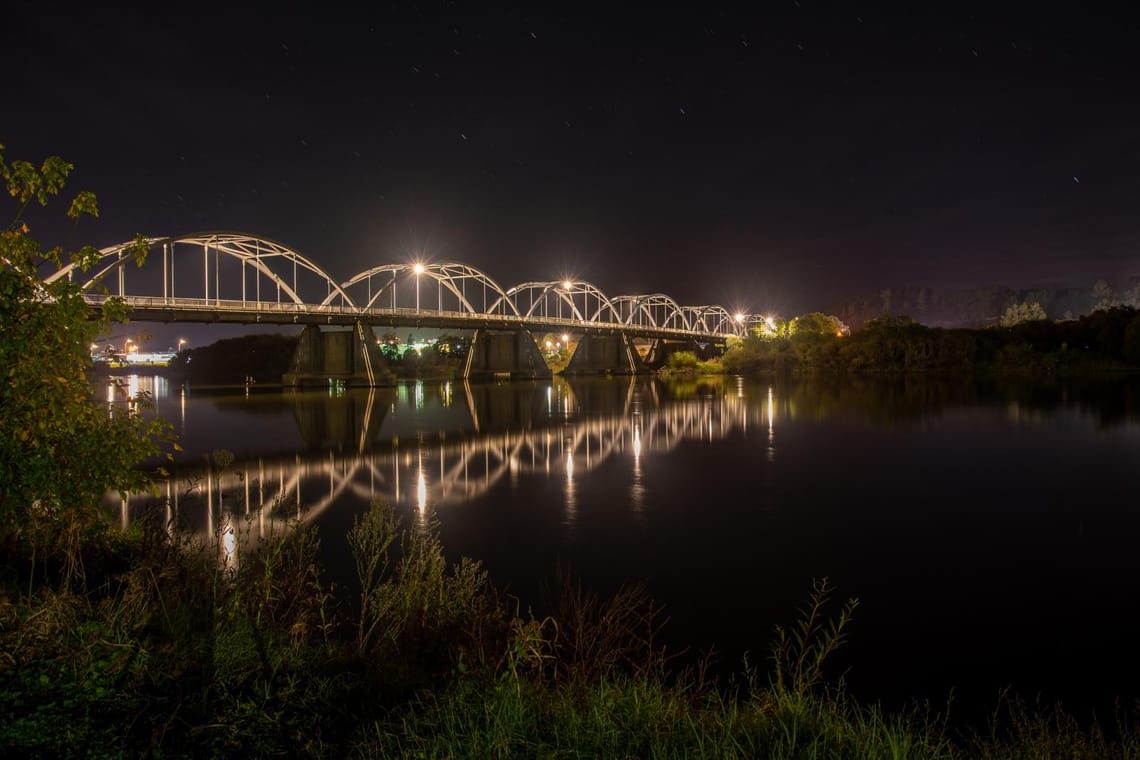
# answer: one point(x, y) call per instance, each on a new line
point(989, 532)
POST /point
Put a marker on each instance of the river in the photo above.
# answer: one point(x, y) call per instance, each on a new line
point(989, 530)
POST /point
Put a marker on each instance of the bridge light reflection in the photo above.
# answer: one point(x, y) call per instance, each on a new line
point(421, 491)
point(571, 491)
point(467, 466)
point(637, 487)
point(229, 546)
point(771, 427)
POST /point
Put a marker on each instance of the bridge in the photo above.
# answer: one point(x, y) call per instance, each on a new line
point(232, 277)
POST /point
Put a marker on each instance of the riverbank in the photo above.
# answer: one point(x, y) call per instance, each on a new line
point(1105, 341)
point(166, 646)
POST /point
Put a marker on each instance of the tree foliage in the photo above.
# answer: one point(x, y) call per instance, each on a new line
point(60, 450)
point(1016, 313)
point(817, 323)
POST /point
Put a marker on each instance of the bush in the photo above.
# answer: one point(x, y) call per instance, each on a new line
point(681, 360)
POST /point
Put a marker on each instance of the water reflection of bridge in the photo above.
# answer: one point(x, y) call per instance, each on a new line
point(558, 430)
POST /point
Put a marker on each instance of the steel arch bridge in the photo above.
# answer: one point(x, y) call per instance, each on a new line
point(242, 278)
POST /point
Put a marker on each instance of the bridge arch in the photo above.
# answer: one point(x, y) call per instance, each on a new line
point(453, 277)
point(533, 299)
point(656, 309)
point(714, 320)
point(261, 256)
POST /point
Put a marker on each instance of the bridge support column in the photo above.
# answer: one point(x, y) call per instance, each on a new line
point(350, 357)
point(511, 354)
point(605, 354)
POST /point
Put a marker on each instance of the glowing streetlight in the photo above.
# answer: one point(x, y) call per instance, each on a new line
point(182, 342)
point(418, 269)
point(739, 317)
point(567, 285)
point(565, 338)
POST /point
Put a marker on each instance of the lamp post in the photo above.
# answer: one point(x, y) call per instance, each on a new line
point(181, 342)
point(418, 269)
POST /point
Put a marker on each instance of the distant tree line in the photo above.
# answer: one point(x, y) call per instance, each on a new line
point(265, 358)
point(1105, 339)
point(983, 306)
point(231, 361)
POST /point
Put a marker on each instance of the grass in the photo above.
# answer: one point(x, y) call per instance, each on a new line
point(174, 650)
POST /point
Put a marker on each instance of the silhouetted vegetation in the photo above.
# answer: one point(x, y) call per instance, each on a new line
point(233, 361)
point(169, 648)
point(1103, 340)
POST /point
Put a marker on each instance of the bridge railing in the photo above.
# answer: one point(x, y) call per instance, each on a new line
point(237, 306)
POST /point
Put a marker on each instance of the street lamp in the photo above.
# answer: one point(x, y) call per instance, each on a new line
point(181, 343)
point(418, 269)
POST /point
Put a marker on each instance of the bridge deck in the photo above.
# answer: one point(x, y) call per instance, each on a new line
point(170, 309)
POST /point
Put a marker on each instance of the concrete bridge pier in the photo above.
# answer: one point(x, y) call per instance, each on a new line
point(598, 354)
point(499, 353)
point(351, 357)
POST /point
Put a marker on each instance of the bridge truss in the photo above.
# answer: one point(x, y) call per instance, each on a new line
point(233, 276)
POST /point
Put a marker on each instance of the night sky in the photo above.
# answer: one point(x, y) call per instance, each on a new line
point(781, 159)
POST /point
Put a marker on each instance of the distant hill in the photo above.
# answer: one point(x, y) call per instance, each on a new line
point(981, 306)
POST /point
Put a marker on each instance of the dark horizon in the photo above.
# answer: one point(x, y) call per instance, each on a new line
point(783, 160)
